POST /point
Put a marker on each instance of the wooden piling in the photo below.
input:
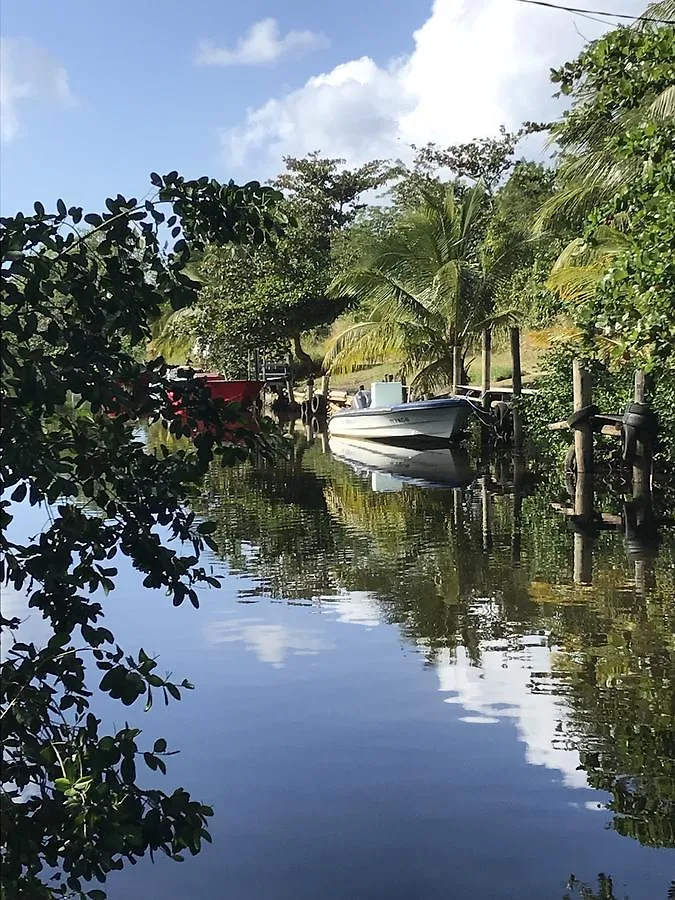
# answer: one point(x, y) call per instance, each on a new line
point(456, 367)
point(517, 379)
point(583, 433)
point(583, 494)
point(325, 386)
point(457, 508)
point(487, 364)
point(486, 505)
point(290, 387)
point(517, 386)
point(583, 543)
point(642, 466)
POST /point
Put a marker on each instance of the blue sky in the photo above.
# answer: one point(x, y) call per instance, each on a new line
point(94, 96)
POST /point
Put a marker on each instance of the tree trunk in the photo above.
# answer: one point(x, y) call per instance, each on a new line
point(301, 354)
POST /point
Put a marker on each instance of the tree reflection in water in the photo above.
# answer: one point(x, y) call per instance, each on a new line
point(471, 568)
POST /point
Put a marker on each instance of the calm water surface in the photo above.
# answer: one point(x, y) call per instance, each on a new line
point(402, 693)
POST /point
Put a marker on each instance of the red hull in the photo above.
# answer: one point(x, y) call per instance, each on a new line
point(242, 392)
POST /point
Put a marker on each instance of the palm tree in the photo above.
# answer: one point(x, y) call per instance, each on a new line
point(428, 289)
point(590, 171)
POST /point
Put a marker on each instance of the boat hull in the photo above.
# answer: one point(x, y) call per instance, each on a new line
point(438, 419)
point(448, 467)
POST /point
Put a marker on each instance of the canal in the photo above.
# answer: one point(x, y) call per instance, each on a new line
point(401, 692)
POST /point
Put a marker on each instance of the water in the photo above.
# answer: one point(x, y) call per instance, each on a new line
point(401, 692)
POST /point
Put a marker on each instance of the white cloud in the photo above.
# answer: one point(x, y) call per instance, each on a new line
point(354, 607)
point(501, 688)
point(475, 64)
point(271, 643)
point(27, 74)
point(263, 43)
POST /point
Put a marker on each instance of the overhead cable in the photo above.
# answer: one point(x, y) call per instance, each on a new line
point(598, 12)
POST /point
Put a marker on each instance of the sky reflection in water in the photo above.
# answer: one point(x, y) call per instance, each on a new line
point(389, 705)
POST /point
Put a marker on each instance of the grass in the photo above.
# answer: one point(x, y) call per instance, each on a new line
point(532, 346)
point(350, 381)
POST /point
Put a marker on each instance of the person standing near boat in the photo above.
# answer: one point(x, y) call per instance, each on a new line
point(361, 399)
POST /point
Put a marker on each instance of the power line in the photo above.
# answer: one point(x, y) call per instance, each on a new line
point(598, 12)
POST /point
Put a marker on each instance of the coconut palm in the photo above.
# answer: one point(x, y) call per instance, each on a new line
point(429, 288)
point(590, 171)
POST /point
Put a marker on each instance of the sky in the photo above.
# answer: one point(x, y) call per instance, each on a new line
point(94, 96)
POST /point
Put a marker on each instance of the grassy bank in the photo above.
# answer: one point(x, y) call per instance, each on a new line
point(533, 345)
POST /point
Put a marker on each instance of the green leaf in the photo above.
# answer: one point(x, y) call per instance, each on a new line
point(160, 745)
point(19, 492)
point(60, 639)
point(39, 209)
point(93, 219)
point(207, 527)
point(128, 769)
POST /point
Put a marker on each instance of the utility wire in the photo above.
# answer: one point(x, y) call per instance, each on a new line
point(598, 12)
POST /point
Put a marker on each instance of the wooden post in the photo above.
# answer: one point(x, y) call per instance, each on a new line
point(519, 469)
point(517, 379)
point(325, 386)
point(325, 445)
point(583, 434)
point(583, 495)
point(517, 389)
point(404, 386)
point(642, 467)
point(289, 379)
point(486, 505)
point(456, 367)
point(487, 362)
point(642, 484)
point(517, 531)
point(583, 546)
point(457, 508)
point(310, 394)
point(583, 559)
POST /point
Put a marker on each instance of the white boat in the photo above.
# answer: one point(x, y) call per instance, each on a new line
point(392, 466)
point(388, 418)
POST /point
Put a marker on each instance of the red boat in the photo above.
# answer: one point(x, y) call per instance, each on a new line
point(244, 392)
point(241, 392)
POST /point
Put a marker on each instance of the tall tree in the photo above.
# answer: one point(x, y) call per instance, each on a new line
point(267, 298)
point(485, 160)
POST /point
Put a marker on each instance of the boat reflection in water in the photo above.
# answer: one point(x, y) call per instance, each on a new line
point(392, 466)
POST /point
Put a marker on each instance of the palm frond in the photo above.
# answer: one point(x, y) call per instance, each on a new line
point(362, 344)
point(174, 334)
point(576, 284)
point(662, 9)
point(663, 106)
